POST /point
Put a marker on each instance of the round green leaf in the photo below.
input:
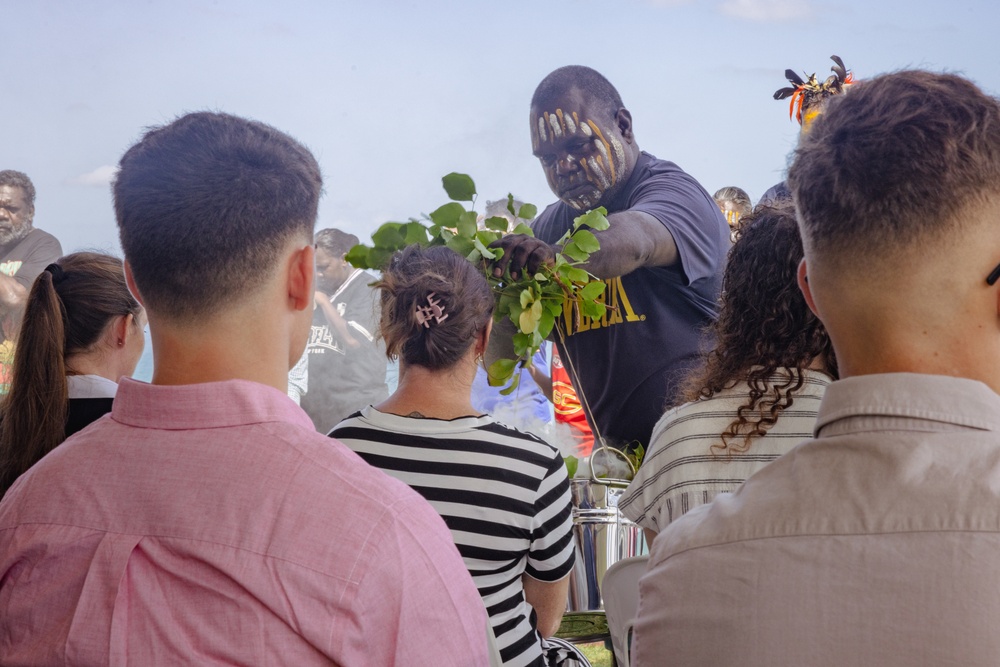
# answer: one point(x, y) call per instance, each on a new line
point(467, 224)
point(459, 187)
point(528, 212)
point(593, 290)
point(586, 241)
point(500, 371)
point(447, 215)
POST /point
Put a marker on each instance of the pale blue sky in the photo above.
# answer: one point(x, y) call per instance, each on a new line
point(392, 95)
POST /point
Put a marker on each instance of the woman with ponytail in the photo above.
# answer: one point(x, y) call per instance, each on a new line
point(82, 330)
point(503, 493)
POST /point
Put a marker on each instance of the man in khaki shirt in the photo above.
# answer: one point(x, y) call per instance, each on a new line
point(877, 542)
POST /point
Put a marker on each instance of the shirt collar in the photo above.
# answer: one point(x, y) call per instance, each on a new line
point(911, 401)
point(90, 386)
point(206, 405)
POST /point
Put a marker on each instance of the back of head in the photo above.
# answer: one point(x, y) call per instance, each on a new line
point(764, 324)
point(434, 303)
point(67, 312)
point(892, 166)
point(205, 204)
point(589, 81)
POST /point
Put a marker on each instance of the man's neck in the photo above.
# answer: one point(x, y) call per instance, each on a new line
point(236, 349)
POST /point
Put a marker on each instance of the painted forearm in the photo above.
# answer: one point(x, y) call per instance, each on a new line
point(633, 240)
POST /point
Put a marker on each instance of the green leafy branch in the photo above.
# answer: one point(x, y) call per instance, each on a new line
point(532, 302)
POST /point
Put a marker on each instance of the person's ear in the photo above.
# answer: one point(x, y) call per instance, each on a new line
point(624, 120)
point(301, 274)
point(130, 283)
point(121, 329)
point(803, 279)
point(483, 340)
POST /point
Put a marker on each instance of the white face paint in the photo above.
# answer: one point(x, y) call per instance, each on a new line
point(556, 128)
point(619, 150)
point(598, 173)
point(580, 164)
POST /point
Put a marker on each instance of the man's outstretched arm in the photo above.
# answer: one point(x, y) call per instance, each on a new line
point(633, 240)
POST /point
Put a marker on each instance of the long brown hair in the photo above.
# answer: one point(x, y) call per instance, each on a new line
point(68, 309)
point(764, 325)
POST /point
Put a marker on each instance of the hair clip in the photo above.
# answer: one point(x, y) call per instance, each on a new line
point(432, 311)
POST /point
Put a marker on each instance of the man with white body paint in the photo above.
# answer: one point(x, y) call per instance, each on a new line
point(661, 259)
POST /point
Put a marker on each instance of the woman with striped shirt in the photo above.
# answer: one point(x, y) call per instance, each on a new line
point(503, 493)
point(759, 392)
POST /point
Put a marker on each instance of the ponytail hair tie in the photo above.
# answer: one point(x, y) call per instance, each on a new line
point(58, 275)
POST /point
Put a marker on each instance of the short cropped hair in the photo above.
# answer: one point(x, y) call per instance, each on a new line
point(895, 162)
point(592, 83)
point(335, 241)
point(18, 179)
point(205, 204)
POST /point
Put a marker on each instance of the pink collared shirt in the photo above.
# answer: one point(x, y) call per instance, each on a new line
point(211, 524)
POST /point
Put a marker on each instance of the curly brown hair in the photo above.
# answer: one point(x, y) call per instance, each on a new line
point(764, 326)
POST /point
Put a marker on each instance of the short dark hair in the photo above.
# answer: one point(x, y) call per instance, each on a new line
point(413, 275)
point(592, 83)
point(18, 179)
point(894, 162)
point(205, 204)
point(335, 241)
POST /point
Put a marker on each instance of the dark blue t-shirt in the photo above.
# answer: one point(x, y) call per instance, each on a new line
point(632, 361)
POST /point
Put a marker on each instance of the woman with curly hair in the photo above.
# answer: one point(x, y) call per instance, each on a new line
point(757, 394)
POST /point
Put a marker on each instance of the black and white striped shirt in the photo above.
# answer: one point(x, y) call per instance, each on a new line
point(680, 470)
point(503, 493)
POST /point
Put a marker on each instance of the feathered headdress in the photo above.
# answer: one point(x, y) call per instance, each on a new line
point(806, 93)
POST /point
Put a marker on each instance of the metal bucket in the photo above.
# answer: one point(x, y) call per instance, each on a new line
point(602, 537)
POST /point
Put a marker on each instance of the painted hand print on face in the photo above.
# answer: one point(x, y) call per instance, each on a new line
point(582, 161)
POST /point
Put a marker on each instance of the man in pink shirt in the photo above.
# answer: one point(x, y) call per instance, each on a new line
point(878, 541)
point(205, 521)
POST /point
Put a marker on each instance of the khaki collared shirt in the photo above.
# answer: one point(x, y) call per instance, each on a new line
point(876, 543)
